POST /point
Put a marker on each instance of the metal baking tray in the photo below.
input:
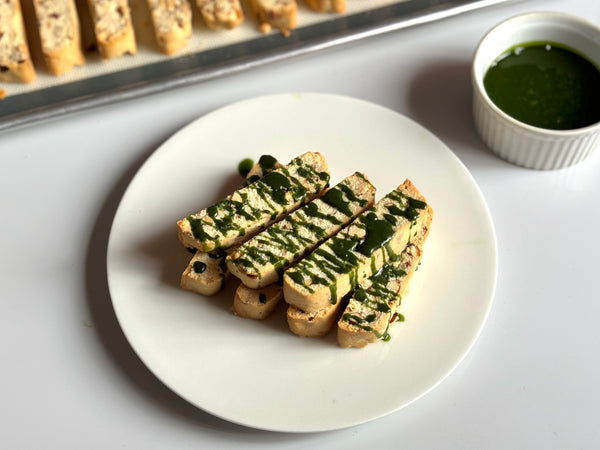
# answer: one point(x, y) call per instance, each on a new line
point(101, 82)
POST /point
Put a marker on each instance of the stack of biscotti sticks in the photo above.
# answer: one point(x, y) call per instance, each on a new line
point(338, 256)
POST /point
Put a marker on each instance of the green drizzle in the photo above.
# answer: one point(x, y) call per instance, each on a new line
point(379, 232)
point(340, 197)
point(267, 163)
point(379, 297)
point(279, 186)
point(199, 266)
point(245, 166)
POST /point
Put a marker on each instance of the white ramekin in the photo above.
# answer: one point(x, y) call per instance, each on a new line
point(515, 141)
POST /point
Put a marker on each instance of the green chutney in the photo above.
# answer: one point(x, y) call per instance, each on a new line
point(545, 85)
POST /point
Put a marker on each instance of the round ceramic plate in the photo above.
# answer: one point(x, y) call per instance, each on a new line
point(257, 373)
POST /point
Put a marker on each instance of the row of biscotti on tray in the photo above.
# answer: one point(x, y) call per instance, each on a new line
point(59, 29)
point(331, 253)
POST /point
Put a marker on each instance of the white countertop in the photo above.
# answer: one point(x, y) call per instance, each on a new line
point(70, 379)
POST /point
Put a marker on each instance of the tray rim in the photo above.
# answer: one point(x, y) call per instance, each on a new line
point(42, 105)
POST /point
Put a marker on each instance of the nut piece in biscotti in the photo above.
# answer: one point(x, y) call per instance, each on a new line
point(252, 208)
point(172, 20)
point(112, 27)
point(206, 273)
point(357, 252)
point(15, 61)
point(375, 302)
point(218, 14)
point(337, 6)
point(256, 303)
point(262, 260)
point(280, 14)
point(60, 34)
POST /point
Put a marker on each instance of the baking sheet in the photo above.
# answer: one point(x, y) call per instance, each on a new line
point(209, 54)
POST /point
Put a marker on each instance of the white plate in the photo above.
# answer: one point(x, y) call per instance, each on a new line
point(257, 373)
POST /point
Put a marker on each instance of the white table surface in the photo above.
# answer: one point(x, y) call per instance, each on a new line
point(70, 380)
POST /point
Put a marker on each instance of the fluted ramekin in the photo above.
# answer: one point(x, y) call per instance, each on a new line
point(513, 140)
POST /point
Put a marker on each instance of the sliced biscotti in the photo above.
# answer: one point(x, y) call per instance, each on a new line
point(172, 20)
point(262, 260)
point(112, 27)
point(357, 252)
point(206, 273)
point(337, 6)
point(374, 303)
point(250, 209)
point(280, 14)
point(15, 61)
point(60, 35)
point(256, 303)
point(218, 14)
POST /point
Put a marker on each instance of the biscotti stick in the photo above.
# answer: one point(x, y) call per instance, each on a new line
point(357, 252)
point(261, 260)
point(256, 206)
point(112, 27)
point(219, 14)
point(172, 20)
point(15, 61)
point(375, 302)
point(58, 26)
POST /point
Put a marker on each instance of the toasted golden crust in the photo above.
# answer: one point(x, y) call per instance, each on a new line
point(366, 321)
point(256, 303)
point(356, 253)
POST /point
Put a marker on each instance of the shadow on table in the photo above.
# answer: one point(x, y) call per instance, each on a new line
point(440, 99)
point(118, 348)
